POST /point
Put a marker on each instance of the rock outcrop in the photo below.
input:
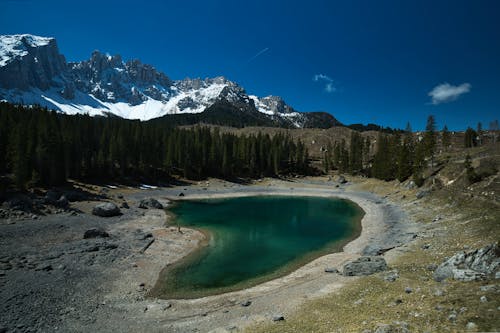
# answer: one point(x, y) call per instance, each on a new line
point(474, 265)
point(30, 61)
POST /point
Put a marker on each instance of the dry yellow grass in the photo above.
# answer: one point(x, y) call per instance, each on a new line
point(430, 306)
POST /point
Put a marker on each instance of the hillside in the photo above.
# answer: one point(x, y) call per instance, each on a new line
point(454, 217)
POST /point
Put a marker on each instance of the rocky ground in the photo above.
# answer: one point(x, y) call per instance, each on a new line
point(64, 269)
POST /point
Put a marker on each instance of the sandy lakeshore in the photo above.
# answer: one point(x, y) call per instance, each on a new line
point(279, 296)
point(116, 290)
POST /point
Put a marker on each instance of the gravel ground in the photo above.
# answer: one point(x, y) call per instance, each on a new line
point(52, 279)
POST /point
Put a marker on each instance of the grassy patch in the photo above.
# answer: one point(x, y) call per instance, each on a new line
point(464, 223)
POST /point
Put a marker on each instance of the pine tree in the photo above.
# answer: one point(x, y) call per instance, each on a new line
point(430, 138)
point(356, 153)
point(470, 138)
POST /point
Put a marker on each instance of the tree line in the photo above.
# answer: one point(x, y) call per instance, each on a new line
point(41, 147)
point(399, 155)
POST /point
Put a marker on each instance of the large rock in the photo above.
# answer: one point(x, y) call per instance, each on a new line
point(471, 266)
point(106, 209)
point(365, 266)
point(150, 203)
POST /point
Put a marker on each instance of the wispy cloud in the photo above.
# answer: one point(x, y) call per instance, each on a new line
point(446, 92)
point(264, 50)
point(328, 81)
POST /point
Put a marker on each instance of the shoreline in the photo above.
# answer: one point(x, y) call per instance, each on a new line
point(329, 248)
point(286, 293)
point(110, 287)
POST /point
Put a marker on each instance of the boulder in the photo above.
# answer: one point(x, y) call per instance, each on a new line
point(51, 197)
point(106, 209)
point(94, 233)
point(471, 266)
point(365, 265)
point(62, 202)
point(150, 203)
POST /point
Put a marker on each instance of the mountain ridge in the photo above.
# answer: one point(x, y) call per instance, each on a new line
point(32, 71)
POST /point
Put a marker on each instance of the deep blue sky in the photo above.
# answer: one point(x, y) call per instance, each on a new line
point(383, 57)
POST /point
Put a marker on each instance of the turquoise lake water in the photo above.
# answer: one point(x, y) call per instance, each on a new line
point(254, 239)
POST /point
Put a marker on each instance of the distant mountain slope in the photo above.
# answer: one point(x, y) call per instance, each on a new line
point(32, 71)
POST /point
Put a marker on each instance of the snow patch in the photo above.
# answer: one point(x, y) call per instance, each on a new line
point(16, 46)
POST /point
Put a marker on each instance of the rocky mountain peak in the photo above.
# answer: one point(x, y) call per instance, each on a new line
point(105, 84)
point(29, 61)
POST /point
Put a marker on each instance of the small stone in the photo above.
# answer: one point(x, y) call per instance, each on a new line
point(384, 328)
point(246, 303)
point(278, 317)
point(43, 267)
point(471, 326)
point(331, 270)
point(491, 287)
point(408, 290)
point(452, 317)
point(94, 233)
point(432, 267)
point(483, 299)
point(391, 276)
point(426, 246)
point(439, 292)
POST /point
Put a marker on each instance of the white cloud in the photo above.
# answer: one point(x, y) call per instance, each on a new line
point(446, 92)
point(329, 86)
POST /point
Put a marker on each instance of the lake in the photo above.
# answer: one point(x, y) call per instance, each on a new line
point(255, 239)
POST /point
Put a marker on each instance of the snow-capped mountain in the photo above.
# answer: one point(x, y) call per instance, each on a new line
point(32, 71)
